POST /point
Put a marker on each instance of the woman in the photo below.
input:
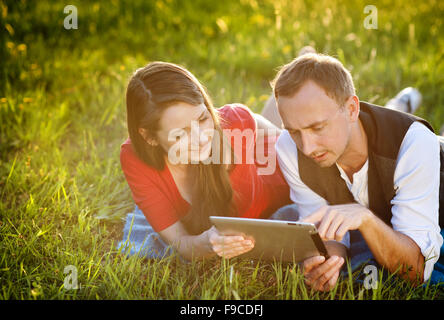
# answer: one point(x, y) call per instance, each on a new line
point(166, 108)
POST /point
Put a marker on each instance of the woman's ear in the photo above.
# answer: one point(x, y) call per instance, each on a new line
point(144, 133)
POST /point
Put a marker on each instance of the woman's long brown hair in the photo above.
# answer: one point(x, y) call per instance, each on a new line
point(150, 91)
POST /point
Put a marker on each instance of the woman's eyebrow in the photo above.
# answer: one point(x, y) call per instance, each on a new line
point(201, 115)
point(198, 118)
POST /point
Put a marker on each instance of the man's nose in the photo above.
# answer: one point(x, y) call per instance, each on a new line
point(308, 144)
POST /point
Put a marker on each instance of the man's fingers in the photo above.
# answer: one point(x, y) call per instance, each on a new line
point(321, 274)
point(332, 282)
point(333, 279)
point(335, 223)
point(327, 278)
point(311, 263)
point(312, 275)
point(315, 216)
point(342, 230)
point(326, 222)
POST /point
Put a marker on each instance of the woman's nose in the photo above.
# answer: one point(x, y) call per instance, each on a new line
point(200, 136)
point(204, 137)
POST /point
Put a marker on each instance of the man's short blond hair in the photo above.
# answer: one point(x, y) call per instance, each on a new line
point(326, 71)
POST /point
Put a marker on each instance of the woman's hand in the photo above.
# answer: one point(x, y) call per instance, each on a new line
point(206, 244)
point(228, 246)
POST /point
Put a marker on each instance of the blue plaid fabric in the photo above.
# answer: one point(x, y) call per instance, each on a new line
point(139, 238)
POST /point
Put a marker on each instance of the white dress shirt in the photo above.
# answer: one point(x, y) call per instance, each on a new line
point(415, 206)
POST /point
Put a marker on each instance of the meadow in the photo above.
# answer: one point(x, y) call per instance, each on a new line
point(62, 120)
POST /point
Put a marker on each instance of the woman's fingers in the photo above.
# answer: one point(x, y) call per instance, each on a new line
point(229, 246)
point(217, 239)
point(245, 244)
point(232, 252)
point(233, 248)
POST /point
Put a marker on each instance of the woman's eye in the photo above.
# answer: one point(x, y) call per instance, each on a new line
point(203, 119)
point(180, 134)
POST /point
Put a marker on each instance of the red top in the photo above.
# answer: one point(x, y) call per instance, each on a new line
point(156, 194)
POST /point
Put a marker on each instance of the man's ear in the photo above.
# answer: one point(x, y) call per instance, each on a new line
point(144, 133)
point(352, 107)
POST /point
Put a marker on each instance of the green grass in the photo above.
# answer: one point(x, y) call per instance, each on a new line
point(62, 120)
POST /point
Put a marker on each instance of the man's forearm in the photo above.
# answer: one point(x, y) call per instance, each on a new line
point(392, 249)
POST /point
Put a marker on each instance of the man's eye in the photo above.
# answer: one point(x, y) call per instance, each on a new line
point(294, 134)
point(318, 128)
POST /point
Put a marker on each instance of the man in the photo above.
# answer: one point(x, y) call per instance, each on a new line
point(357, 171)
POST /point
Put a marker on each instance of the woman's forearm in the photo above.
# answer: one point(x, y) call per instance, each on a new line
point(185, 244)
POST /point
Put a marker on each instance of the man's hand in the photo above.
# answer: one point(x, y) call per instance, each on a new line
point(322, 275)
point(333, 222)
point(229, 246)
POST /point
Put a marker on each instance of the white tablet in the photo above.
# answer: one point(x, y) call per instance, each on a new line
point(286, 241)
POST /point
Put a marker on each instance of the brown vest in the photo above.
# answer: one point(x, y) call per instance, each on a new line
point(385, 129)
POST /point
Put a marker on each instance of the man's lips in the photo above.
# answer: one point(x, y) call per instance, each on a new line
point(320, 157)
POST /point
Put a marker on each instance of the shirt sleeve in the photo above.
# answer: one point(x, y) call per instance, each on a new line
point(416, 203)
point(238, 116)
point(306, 200)
point(146, 190)
point(239, 126)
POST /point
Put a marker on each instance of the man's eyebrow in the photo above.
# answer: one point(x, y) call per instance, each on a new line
point(314, 124)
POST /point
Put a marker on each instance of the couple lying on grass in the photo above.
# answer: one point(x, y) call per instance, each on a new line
point(367, 176)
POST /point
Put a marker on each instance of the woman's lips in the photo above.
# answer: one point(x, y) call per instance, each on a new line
point(200, 148)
